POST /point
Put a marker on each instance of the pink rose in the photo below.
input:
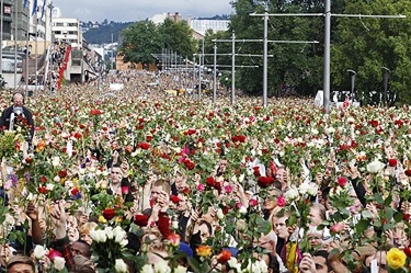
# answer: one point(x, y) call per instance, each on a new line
point(200, 187)
point(228, 189)
point(281, 201)
point(337, 228)
point(253, 202)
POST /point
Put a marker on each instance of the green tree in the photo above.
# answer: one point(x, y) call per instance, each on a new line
point(177, 36)
point(140, 41)
point(368, 44)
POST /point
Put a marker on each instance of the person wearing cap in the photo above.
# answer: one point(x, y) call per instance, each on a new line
point(17, 115)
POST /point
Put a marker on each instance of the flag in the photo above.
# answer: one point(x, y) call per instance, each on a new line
point(43, 11)
point(25, 4)
point(34, 8)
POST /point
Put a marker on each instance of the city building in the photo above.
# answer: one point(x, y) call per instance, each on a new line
point(7, 19)
point(68, 30)
point(201, 26)
point(160, 18)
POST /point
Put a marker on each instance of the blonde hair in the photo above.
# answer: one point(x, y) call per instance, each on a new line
point(85, 229)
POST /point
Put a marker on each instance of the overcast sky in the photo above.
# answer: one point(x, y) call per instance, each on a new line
point(136, 10)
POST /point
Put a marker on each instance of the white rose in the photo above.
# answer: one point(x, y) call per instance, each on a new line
point(262, 266)
point(243, 210)
point(291, 194)
point(124, 242)
point(313, 189)
point(241, 178)
point(375, 166)
point(98, 235)
point(233, 263)
point(303, 188)
point(147, 268)
point(55, 161)
point(49, 187)
point(220, 214)
point(162, 267)
point(59, 263)
point(109, 232)
point(119, 234)
point(330, 130)
point(180, 269)
point(314, 131)
point(120, 266)
point(39, 252)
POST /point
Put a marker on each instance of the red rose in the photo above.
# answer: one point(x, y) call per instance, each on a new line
point(224, 256)
point(141, 220)
point(408, 172)
point(234, 139)
point(407, 251)
point(342, 181)
point(406, 217)
point(210, 181)
point(241, 139)
point(43, 179)
point(218, 186)
point(392, 162)
point(28, 160)
point(175, 199)
point(74, 191)
point(256, 171)
point(144, 145)
point(109, 214)
point(53, 254)
point(265, 182)
point(374, 123)
point(62, 173)
point(95, 112)
point(191, 132)
point(42, 190)
point(189, 164)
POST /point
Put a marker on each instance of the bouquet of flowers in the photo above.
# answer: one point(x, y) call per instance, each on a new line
point(108, 249)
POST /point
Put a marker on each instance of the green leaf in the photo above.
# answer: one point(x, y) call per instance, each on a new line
point(292, 220)
point(367, 214)
point(361, 226)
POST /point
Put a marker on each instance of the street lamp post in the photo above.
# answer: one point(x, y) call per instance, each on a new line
point(386, 76)
point(353, 74)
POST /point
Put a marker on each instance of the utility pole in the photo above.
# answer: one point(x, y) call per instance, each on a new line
point(15, 41)
point(233, 69)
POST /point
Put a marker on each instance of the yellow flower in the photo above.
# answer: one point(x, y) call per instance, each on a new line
point(119, 219)
point(203, 251)
point(102, 220)
point(396, 258)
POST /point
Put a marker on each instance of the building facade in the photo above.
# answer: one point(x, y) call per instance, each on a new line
point(67, 30)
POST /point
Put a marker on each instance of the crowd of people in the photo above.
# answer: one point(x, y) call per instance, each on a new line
point(143, 182)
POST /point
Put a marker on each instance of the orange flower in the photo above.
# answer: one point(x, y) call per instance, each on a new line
point(203, 251)
point(224, 256)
